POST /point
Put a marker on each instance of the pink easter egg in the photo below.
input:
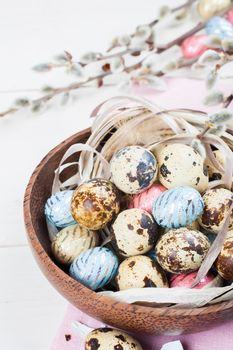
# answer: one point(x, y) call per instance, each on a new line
point(186, 281)
point(229, 16)
point(145, 199)
point(194, 46)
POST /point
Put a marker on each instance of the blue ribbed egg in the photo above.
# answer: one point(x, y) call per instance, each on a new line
point(95, 268)
point(58, 210)
point(178, 207)
point(219, 26)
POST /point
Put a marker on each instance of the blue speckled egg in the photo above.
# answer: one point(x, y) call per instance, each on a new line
point(178, 207)
point(219, 26)
point(95, 268)
point(133, 169)
point(58, 210)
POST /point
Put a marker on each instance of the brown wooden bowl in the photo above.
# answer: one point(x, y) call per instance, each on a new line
point(134, 318)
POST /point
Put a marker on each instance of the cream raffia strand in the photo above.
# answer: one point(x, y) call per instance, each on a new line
point(123, 121)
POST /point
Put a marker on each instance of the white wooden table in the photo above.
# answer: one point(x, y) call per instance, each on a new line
point(32, 32)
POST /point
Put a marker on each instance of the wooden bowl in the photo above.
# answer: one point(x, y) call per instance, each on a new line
point(134, 318)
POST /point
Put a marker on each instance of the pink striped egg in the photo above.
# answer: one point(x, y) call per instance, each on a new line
point(145, 199)
point(229, 16)
point(194, 46)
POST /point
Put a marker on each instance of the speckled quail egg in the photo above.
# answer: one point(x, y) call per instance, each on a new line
point(133, 169)
point(216, 206)
point(140, 272)
point(182, 250)
point(181, 165)
point(95, 203)
point(110, 339)
point(224, 262)
point(134, 232)
point(72, 241)
point(214, 174)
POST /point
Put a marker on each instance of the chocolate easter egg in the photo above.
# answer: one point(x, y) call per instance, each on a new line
point(57, 209)
point(110, 339)
point(178, 207)
point(194, 46)
point(71, 241)
point(133, 169)
point(145, 199)
point(134, 232)
point(216, 207)
point(181, 165)
point(210, 8)
point(95, 268)
point(140, 272)
point(182, 250)
point(215, 174)
point(224, 262)
point(220, 27)
point(186, 281)
point(95, 203)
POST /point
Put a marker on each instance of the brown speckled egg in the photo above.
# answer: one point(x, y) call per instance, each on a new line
point(216, 206)
point(214, 174)
point(182, 250)
point(72, 241)
point(181, 165)
point(134, 232)
point(95, 203)
point(133, 169)
point(224, 262)
point(140, 272)
point(110, 339)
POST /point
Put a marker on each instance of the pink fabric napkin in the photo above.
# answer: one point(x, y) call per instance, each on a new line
point(181, 93)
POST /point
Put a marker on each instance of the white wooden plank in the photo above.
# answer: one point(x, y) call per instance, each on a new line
point(30, 308)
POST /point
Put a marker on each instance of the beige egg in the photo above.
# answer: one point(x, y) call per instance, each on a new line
point(140, 272)
point(182, 250)
point(134, 232)
point(214, 174)
point(224, 262)
point(210, 8)
point(193, 226)
point(181, 165)
point(72, 241)
point(216, 206)
point(133, 169)
point(95, 203)
point(110, 339)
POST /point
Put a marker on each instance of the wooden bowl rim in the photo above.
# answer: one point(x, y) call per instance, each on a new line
point(32, 236)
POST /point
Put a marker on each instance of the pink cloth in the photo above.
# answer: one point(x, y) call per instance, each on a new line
point(182, 93)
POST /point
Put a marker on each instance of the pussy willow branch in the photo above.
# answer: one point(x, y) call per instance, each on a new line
point(77, 85)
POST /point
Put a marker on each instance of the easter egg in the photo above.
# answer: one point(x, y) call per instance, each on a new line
point(133, 169)
point(145, 199)
point(214, 174)
point(229, 16)
point(194, 46)
point(57, 209)
point(110, 339)
point(134, 232)
point(182, 250)
point(210, 8)
point(95, 268)
point(140, 272)
point(178, 207)
point(186, 281)
point(95, 203)
point(220, 27)
point(71, 241)
point(224, 262)
point(181, 165)
point(216, 207)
